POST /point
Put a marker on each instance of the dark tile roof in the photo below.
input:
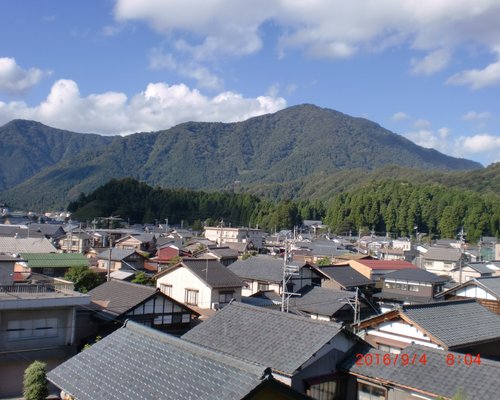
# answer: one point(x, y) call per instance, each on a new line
point(223, 252)
point(415, 275)
point(481, 267)
point(435, 377)
point(260, 268)
point(118, 297)
point(456, 323)
point(322, 301)
point(346, 276)
point(116, 254)
point(279, 340)
point(136, 362)
point(213, 273)
point(403, 297)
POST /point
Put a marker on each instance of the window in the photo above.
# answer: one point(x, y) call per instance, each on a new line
point(389, 349)
point(32, 329)
point(263, 286)
point(367, 391)
point(225, 297)
point(413, 288)
point(323, 391)
point(166, 289)
point(191, 297)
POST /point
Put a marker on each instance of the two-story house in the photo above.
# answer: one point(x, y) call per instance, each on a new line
point(262, 273)
point(206, 284)
point(409, 286)
point(226, 235)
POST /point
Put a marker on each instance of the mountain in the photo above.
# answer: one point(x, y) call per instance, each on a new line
point(294, 144)
point(27, 147)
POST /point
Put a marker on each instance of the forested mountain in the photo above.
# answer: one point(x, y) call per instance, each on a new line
point(395, 208)
point(27, 147)
point(294, 146)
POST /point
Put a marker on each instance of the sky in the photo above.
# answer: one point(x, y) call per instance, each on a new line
point(425, 69)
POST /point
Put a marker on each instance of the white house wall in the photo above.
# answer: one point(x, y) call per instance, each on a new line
point(402, 332)
point(253, 287)
point(181, 279)
point(474, 292)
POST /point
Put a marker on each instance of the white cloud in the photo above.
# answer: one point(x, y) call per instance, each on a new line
point(477, 78)
point(400, 116)
point(193, 70)
point(476, 116)
point(433, 62)
point(159, 106)
point(15, 80)
point(482, 143)
point(422, 124)
point(429, 139)
point(322, 28)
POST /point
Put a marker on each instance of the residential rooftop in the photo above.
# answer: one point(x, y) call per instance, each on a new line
point(136, 362)
point(279, 340)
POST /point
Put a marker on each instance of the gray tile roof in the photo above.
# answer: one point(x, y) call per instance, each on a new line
point(260, 268)
point(213, 273)
point(136, 362)
point(346, 276)
point(322, 301)
point(415, 275)
point(31, 245)
point(456, 323)
point(442, 254)
point(118, 297)
point(435, 377)
point(279, 340)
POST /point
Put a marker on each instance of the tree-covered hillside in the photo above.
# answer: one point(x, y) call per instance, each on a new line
point(384, 206)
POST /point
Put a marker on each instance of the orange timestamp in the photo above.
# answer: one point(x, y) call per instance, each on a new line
point(401, 359)
point(453, 359)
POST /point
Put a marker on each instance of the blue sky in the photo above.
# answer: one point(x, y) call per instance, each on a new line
point(426, 69)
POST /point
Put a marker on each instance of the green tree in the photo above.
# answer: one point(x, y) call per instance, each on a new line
point(83, 278)
point(35, 385)
point(143, 279)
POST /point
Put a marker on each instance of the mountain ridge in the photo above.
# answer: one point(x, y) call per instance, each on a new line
point(294, 143)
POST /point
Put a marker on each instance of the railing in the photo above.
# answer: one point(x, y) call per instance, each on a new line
point(52, 287)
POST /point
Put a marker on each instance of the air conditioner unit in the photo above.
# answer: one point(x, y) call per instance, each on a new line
point(215, 306)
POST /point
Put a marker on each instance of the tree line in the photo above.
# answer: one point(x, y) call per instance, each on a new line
point(396, 208)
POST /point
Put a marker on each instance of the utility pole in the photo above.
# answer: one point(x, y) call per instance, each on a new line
point(461, 261)
point(108, 275)
point(287, 274)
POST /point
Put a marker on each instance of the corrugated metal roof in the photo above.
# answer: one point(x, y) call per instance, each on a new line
point(55, 260)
